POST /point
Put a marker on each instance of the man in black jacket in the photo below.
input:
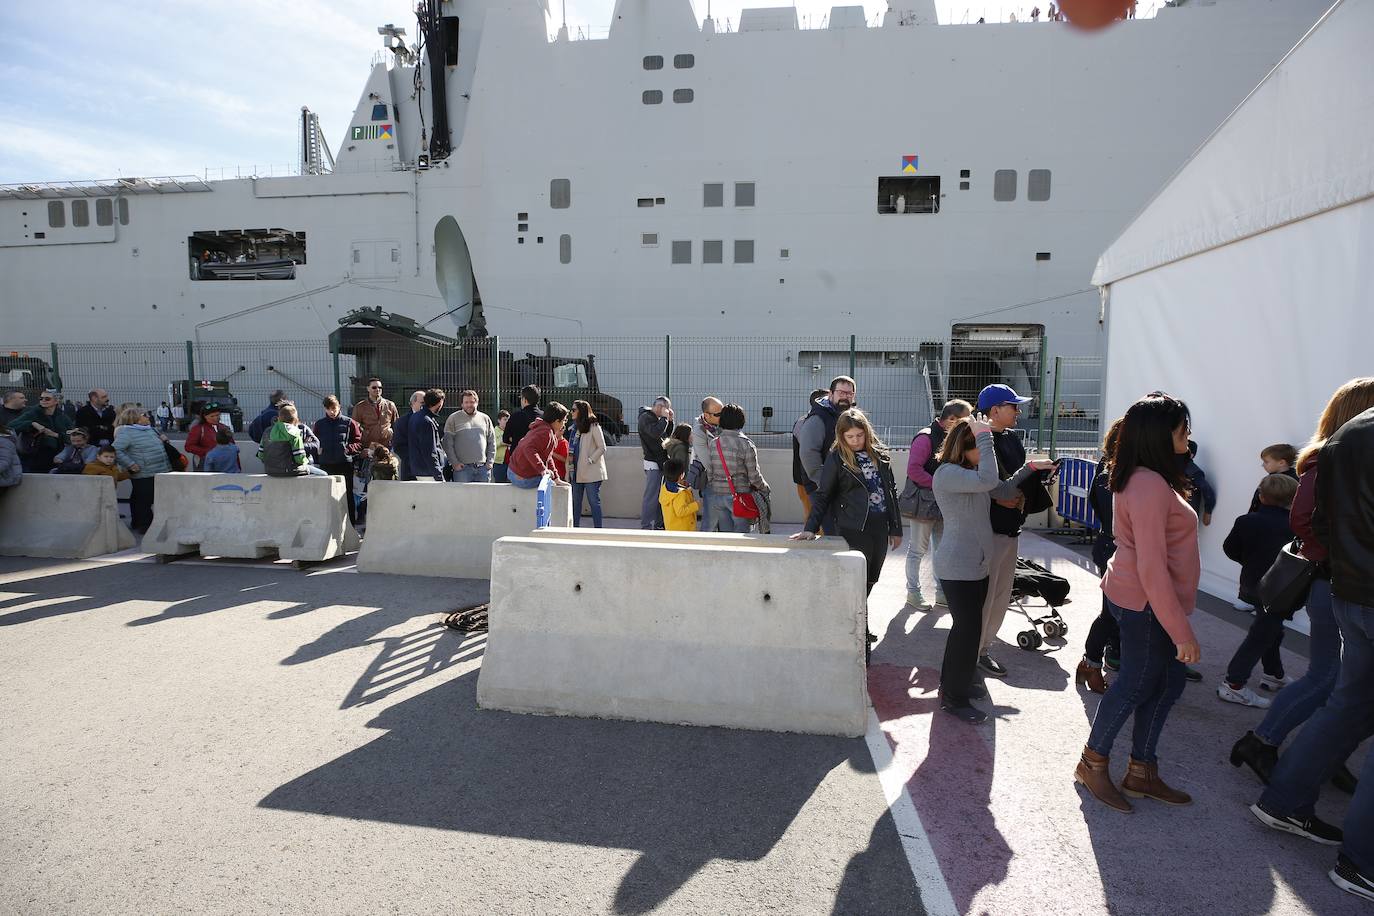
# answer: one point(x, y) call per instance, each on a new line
point(1002, 406)
point(519, 422)
point(98, 417)
point(655, 423)
point(1344, 522)
point(426, 439)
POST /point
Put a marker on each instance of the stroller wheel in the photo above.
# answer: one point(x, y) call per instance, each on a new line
point(1028, 639)
point(1063, 628)
point(1053, 628)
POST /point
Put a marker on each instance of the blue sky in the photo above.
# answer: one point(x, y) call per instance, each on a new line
point(174, 87)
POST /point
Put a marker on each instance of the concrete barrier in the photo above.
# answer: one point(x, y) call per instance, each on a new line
point(67, 516)
point(591, 627)
point(697, 538)
point(250, 516)
point(427, 528)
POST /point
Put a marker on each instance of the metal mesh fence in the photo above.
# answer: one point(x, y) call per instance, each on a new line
point(901, 381)
point(1076, 405)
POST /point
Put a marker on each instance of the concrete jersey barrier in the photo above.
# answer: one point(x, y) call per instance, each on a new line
point(250, 516)
point(698, 538)
point(592, 627)
point(428, 528)
point(66, 516)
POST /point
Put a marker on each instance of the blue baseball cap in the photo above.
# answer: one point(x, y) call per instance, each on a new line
point(993, 395)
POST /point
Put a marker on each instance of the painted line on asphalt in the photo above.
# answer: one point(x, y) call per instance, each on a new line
point(935, 895)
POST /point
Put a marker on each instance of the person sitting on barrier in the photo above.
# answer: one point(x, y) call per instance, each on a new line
point(521, 421)
point(704, 432)
point(141, 451)
point(265, 420)
point(498, 467)
point(532, 458)
point(1100, 649)
point(224, 457)
point(384, 465)
point(425, 439)
point(926, 525)
point(589, 462)
point(203, 436)
point(732, 461)
point(283, 452)
point(1254, 542)
point(78, 453)
point(11, 469)
point(105, 465)
point(400, 436)
point(965, 484)
point(40, 430)
point(857, 489)
point(679, 506)
point(470, 441)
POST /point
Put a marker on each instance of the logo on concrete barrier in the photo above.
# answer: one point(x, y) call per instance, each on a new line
point(236, 494)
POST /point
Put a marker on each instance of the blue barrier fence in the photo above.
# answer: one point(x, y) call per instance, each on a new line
point(1075, 480)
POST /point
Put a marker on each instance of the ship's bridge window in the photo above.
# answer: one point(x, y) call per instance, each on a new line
point(684, 61)
point(1004, 185)
point(57, 214)
point(1038, 184)
point(104, 212)
point(246, 254)
point(379, 111)
point(81, 213)
point(653, 62)
point(560, 193)
point(909, 194)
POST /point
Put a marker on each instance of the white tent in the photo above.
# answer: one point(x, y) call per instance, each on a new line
point(1246, 286)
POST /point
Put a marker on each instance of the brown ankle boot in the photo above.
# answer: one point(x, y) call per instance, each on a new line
point(1142, 781)
point(1090, 675)
point(1096, 778)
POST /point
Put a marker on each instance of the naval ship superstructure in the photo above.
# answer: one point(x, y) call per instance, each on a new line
point(905, 179)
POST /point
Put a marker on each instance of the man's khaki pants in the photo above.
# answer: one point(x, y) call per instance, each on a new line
point(1001, 572)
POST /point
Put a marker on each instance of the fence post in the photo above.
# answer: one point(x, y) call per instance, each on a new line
point(190, 363)
point(853, 360)
point(1039, 393)
point(667, 365)
point(334, 352)
point(1054, 407)
point(56, 380)
point(496, 372)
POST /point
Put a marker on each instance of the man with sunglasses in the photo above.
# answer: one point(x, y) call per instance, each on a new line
point(376, 416)
point(705, 429)
point(1002, 406)
point(42, 431)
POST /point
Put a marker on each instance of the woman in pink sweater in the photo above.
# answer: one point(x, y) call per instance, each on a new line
point(1151, 587)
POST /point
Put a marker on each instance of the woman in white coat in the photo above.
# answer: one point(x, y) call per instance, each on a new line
point(588, 462)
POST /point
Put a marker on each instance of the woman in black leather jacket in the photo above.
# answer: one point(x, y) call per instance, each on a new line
point(857, 480)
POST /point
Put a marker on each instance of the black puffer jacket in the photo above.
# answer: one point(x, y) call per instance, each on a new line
point(1344, 517)
point(844, 489)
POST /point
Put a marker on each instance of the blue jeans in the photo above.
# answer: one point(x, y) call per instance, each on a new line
point(1296, 702)
point(593, 491)
point(1151, 679)
point(472, 473)
point(314, 470)
point(720, 515)
point(1331, 734)
point(524, 483)
point(650, 512)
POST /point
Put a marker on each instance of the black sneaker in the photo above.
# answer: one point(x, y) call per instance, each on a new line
point(1192, 674)
point(1311, 827)
point(1347, 877)
point(991, 666)
point(965, 712)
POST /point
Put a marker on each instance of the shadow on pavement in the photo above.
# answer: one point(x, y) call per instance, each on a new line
point(682, 796)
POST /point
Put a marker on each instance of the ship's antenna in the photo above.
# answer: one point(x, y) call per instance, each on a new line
point(565, 14)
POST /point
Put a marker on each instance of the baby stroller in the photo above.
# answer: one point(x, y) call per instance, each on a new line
point(1034, 582)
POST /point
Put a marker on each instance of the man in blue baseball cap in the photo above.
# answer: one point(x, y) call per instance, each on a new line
point(1002, 405)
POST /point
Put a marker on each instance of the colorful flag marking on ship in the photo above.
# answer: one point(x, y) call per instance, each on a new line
point(386, 132)
point(910, 163)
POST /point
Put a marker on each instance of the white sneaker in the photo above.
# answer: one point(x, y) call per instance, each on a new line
point(918, 601)
point(1244, 696)
point(1242, 605)
point(1274, 684)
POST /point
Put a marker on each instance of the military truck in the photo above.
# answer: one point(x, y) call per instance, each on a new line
point(193, 395)
point(29, 374)
point(407, 357)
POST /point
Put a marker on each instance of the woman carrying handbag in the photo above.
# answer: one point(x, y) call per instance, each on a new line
point(732, 458)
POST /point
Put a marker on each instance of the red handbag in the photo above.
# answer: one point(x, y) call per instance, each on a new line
point(744, 505)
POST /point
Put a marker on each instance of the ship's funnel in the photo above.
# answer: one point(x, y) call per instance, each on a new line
point(453, 270)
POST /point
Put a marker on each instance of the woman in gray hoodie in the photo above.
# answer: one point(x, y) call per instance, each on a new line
point(965, 484)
